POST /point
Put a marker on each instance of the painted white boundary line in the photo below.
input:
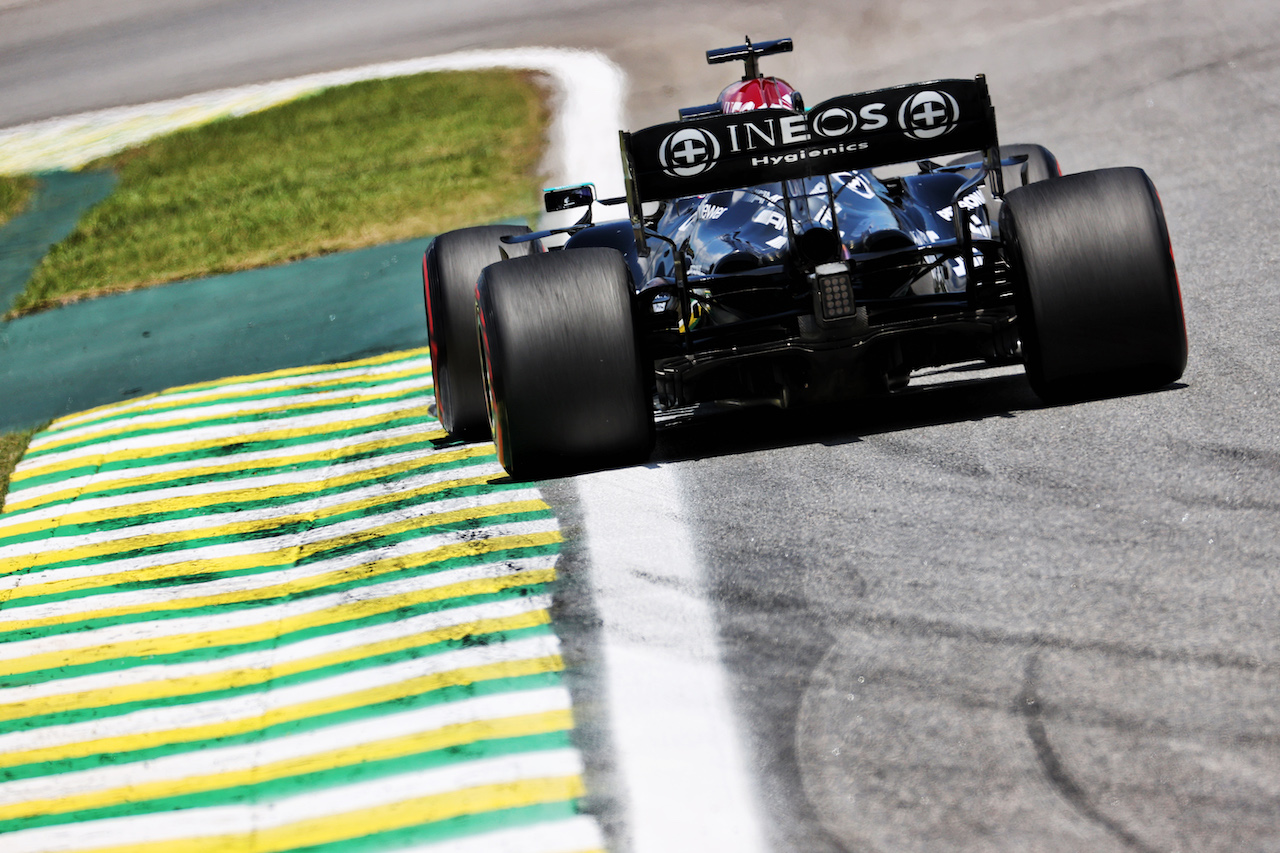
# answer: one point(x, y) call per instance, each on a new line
point(679, 754)
point(677, 738)
point(589, 94)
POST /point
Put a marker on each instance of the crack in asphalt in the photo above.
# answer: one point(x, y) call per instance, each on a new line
point(1028, 705)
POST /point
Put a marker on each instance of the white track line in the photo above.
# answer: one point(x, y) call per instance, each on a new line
point(677, 738)
point(588, 87)
point(678, 746)
point(679, 757)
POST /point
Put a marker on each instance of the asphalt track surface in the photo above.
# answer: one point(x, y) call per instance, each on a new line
point(961, 620)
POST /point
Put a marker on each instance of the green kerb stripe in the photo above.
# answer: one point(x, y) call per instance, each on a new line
point(265, 469)
point(265, 416)
point(294, 785)
point(239, 505)
point(329, 559)
point(348, 544)
point(239, 445)
point(322, 385)
point(86, 714)
point(131, 407)
point(203, 654)
point(452, 828)
point(97, 623)
point(443, 695)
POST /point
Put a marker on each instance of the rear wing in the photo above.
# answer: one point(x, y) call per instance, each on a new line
point(862, 131)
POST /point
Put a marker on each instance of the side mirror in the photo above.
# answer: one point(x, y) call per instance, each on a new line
point(567, 198)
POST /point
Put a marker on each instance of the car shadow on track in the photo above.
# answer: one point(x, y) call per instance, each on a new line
point(951, 396)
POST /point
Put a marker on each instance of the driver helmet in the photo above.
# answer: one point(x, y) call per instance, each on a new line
point(757, 93)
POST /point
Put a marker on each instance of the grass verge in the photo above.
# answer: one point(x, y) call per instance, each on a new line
point(12, 446)
point(14, 192)
point(350, 167)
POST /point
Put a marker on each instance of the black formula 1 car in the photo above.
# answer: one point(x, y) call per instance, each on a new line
point(769, 256)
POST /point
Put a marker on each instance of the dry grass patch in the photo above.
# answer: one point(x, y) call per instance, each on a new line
point(12, 446)
point(350, 167)
point(14, 192)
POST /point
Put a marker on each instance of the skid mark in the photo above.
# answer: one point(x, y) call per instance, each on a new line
point(1059, 776)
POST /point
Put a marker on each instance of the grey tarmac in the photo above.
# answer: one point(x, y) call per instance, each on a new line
point(960, 620)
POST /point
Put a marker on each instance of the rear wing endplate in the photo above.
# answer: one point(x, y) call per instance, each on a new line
point(862, 131)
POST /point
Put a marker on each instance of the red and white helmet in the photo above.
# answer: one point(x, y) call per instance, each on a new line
point(757, 93)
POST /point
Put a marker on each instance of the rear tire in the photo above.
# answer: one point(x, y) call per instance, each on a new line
point(1099, 308)
point(566, 387)
point(450, 270)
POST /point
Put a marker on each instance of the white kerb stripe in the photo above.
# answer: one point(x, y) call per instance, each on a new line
point(257, 704)
point(388, 593)
point(231, 759)
point(244, 820)
point(292, 576)
point(53, 548)
point(279, 656)
point(265, 385)
point(575, 835)
point(332, 448)
point(212, 523)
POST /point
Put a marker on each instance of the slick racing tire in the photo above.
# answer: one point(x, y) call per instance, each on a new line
point(1099, 309)
point(566, 388)
point(450, 270)
point(1040, 165)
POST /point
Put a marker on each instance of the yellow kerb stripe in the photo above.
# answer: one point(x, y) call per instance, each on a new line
point(405, 355)
point(289, 556)
point(349, 825)
point(442, 738)
point(362, 571)
point(331, 616)
point(297, 407)
point(86, 553)
point(289, 713)
point(158, 403)
point(89, 458)
point(243, 495)
point(129, 480)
